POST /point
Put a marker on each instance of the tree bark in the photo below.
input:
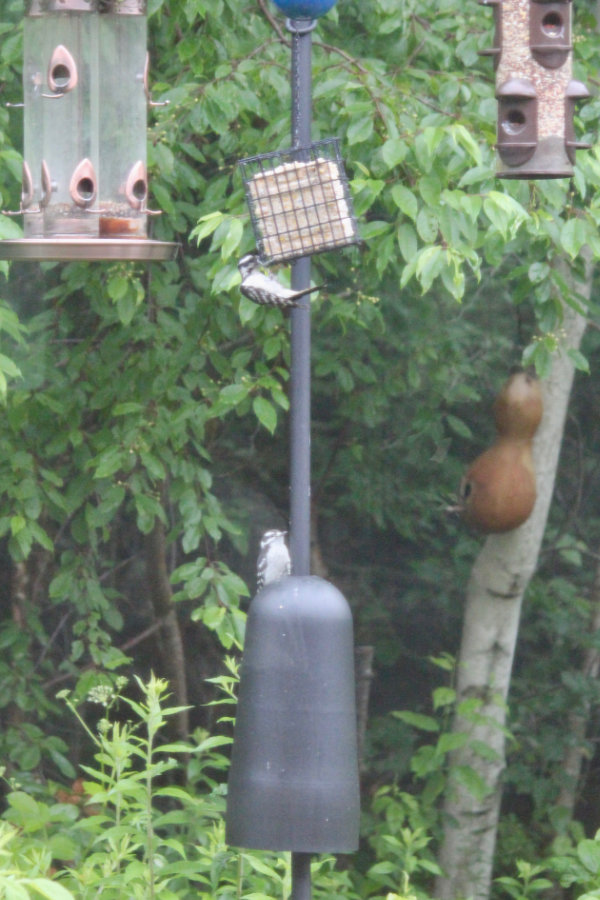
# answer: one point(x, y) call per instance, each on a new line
point(171, 647)
point(363, 667)
point(495, 592)
point(577, 721)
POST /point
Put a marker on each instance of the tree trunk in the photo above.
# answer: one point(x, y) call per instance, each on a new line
point(577, 721)
point(494, 595)
point(363, 667)
point(171, 642)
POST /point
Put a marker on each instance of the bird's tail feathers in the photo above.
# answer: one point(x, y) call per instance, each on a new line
point(310, 290)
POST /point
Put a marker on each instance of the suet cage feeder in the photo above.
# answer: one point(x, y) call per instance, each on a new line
point(299, 201)
point(85, 100)
point(535, 89)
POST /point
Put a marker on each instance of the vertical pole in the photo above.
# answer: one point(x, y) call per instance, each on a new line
point(300, 373)
point(300, 340)
point(301, 887)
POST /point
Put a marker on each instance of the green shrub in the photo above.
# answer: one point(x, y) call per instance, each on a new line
point(146, 820)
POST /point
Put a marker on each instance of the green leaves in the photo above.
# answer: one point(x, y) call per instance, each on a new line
point(428, 265)
point(588, 852)
point(394, 151)
point(265, 413)
point(417, 720)
point(9, 229)
point(463, 138)
point(145, 395)
point(405, 200)
point(360, 130)
point(505, 213)
point(575, 234)
point(8, 370)
point(127, 293)
point(14, 330)
point(43, 887)
point(427, 224)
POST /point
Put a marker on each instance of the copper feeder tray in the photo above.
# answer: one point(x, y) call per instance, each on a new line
point(92, 249)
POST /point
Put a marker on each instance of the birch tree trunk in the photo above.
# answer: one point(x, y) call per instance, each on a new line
point(578, 720)
point(495, 592)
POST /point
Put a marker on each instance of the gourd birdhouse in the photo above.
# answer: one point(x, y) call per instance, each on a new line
point(498, 491)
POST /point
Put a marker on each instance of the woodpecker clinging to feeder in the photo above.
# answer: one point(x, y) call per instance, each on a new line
point(498, 491)
point(273, 559)
point(264, 289)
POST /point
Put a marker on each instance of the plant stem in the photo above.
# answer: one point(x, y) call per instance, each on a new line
point(149, 828)
point(240, 877)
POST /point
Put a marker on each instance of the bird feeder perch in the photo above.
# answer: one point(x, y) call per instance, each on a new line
point(85, 99)
point(535, 89)
point(299, 201)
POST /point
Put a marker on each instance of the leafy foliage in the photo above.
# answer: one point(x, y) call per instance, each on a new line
point(127, 826)
point(138, 399)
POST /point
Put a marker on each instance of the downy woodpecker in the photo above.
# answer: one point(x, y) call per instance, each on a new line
point(264, 289)
point(273, 558)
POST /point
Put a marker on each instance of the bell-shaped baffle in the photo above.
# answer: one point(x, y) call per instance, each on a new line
point(293, 783)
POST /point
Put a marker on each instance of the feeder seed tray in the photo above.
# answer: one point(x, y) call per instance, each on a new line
point(299, 201)
point(92, 249)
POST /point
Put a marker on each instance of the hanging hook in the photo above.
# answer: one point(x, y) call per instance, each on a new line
point(147, 89)
point(300, 26)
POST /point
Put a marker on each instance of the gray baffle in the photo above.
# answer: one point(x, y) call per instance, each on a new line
point(293, 783)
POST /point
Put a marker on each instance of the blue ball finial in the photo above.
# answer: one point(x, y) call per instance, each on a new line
point(304, 9)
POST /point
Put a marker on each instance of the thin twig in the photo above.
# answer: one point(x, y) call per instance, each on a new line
point(331, 48)
point(132, 642)
point(274, 23)
point(53, 637)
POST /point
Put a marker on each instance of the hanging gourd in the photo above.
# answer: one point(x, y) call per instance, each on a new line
point(498, 491)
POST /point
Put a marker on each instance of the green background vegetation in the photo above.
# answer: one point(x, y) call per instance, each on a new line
point(143, 449)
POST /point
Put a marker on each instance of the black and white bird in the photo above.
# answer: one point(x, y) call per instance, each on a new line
point(273, 558)
point(264, 289)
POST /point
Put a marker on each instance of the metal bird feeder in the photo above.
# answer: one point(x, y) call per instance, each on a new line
point(299, 201)
point(293, 782)
point(85, 99)
point(535, 89)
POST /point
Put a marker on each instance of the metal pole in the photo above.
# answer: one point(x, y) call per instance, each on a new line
point(300, 339)
point(300, 373)
point(301, 888)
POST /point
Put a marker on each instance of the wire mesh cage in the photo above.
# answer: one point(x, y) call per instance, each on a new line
point(299, 201)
